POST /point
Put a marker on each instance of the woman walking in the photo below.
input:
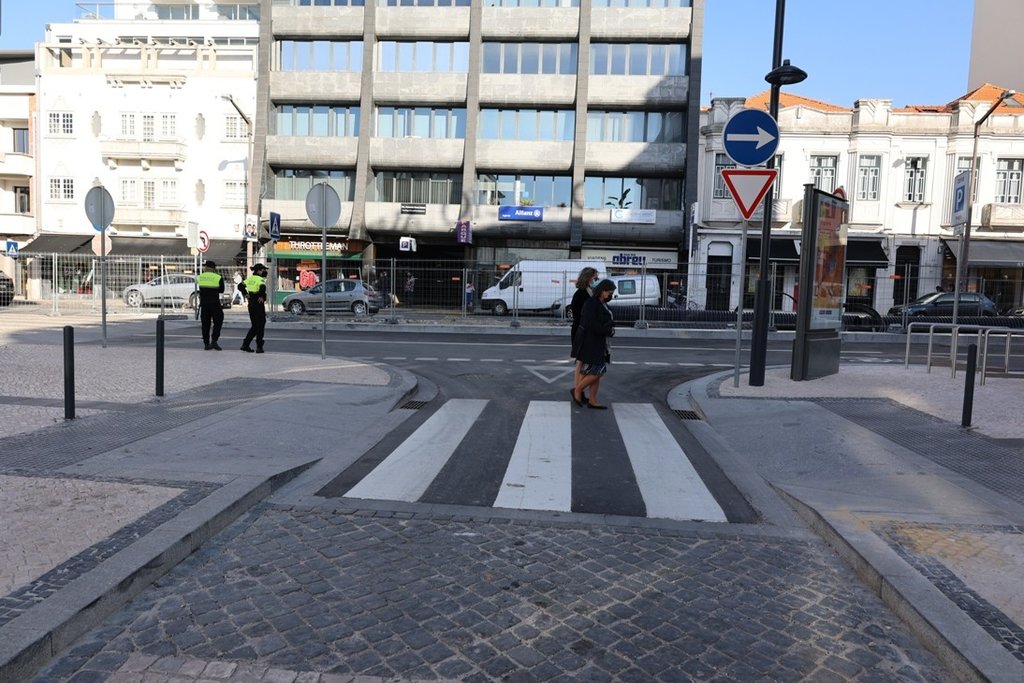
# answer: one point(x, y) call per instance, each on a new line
point(584, 281)
point(596, 326)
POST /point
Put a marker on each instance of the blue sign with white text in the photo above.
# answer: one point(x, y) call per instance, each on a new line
point(750, 137)
point(520, 213)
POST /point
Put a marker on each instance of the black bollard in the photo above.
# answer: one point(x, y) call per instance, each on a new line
point(69, 372)
point(972, 366)
point(159, 357)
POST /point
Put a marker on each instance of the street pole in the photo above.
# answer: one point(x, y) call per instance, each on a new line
point(759, 333)
point(965, 242)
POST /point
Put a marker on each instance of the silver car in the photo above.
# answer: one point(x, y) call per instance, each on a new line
point(342, 296)
point(169, 289)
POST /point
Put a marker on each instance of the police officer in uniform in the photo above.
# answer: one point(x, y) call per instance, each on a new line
point(211, 285)
point(254, 288)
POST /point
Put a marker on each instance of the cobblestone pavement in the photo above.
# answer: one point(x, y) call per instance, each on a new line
point(311, 591)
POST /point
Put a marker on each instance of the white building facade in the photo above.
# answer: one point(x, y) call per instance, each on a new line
point(17, 152)
point(148, 100)
point(896, 167)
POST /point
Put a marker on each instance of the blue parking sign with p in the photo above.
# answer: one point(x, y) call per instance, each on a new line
point(961, 187)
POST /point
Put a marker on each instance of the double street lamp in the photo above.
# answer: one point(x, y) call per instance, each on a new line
point(965, 241)
point(782, 73)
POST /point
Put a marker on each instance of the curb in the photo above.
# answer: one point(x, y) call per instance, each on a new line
point(958, 642)
point(31, 639)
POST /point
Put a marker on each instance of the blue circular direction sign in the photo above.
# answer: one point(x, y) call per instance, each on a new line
point(750, 137)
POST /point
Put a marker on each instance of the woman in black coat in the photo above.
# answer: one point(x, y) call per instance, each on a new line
point(586, 278)
point(596, 326)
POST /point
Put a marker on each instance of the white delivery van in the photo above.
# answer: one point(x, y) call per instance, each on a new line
point(536, 285)
point(630, 290)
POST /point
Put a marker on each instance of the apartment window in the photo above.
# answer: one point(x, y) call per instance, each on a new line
point(321, 55)
point(527, 124)
point(234, 193)
point(421, 122)
point(329, 3)
point(722, 162)
point(869, 167)
point(22, 199)
point(148, 194)
point(294, 183)
point(964, 164)
point(239, 12)
point(62, 189)
point(168, 126)
point(1008, 181)
point(235, 128)
point(523, 190)
point(418, 3)
point(61, 123)
point(530, 58)
point(129, 191)
point(823, 172)
point(914, 176)
point(422, 188)
point(168, 192)
point(637, 59)
point(635, 126)
point(21, 145)
point(633, 193)
point(177, 12)
point(127, 125)
point(148, 128)
point(423, 57)
point(642, 3)
point(302, 120)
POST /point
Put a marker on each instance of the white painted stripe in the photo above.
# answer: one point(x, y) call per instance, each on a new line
point(539, 475)
point(427, 358)
point(490, 360)
point(651, 362)
point(393, 358)
point(624, 362)
point(670, 487)
point(408, 471)
point(460, 360)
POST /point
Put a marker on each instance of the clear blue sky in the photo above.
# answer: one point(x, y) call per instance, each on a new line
point(909, 51)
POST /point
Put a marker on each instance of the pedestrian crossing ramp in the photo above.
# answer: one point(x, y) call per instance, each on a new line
point(537, 455)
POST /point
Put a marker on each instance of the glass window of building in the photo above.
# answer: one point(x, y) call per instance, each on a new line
point(914, 176)
point(722, 162)
point(400, 122)
point(869, 167)
point(22, 199)
point(295, 183)
point(420, 187)
point(524, 190)
point(321, 55)
point(530, 58)
point(823, 172)
point(632, 193)
point(1008, 181)
point(637, 59)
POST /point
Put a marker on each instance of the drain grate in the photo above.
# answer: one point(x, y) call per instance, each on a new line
point(413, 405)
point(687, 414)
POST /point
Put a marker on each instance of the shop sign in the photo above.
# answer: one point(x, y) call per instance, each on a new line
point(333, 246)
point(634, 258)
point(646, 216)
point(520, 213)
point(414, 209)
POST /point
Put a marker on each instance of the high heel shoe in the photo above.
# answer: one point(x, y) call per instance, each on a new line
point(578, 402)
point(597, 407)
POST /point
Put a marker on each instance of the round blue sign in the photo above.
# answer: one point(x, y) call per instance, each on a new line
point(750, 137)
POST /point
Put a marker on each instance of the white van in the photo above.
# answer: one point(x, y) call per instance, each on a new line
point(630, 290)
point(536, 285)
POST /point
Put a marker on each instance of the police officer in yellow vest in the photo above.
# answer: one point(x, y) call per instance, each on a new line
point(254, 289)
point(211, 285)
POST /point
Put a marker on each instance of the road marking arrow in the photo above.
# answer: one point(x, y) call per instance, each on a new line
point(761, 137)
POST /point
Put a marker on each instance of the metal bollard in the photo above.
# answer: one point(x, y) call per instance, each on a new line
point(972, 364)
point(69, 372)
point(159, 357)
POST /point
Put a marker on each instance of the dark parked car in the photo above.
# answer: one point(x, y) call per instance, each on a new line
point(6, 289)
point(941, 304)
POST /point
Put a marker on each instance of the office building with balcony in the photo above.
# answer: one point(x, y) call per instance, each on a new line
point(896, 167)
point(535, 129)
point(149, 100)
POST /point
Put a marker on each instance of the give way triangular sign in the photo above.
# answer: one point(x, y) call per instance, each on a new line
point(748, 186)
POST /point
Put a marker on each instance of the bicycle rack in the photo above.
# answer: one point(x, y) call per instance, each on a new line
point(982, 333)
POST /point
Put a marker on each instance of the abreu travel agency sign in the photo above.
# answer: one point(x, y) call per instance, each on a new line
point(634, 259)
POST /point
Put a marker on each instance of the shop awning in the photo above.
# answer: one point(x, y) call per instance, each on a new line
point(149, 246)
point(866, 253)
point(995, 253)
point(780, 249)
point(58, 244)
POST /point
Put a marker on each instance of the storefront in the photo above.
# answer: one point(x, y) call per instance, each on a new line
point(296, 262)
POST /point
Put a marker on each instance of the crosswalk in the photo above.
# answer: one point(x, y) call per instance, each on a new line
point(537, 455)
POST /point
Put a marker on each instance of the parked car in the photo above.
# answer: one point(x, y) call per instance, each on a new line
point(941, 304)
point(6, 289)
point(170, 290)
point(342, 296)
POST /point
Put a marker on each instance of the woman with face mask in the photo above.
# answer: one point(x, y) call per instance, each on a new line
point(596, 327)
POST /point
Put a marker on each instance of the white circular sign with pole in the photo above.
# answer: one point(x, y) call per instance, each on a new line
point(99, 209)
point(204, 242)
point(323, 208)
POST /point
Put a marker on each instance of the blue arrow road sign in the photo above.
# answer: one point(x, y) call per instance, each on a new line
point(751, 137)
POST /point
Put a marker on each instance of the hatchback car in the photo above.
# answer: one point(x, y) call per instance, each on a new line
point(170, 289)
point(6, 289)
point(941, 304)
point(343, 296)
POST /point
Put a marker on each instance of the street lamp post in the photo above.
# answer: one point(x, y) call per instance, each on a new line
point(782, 73)
point(965, 241)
